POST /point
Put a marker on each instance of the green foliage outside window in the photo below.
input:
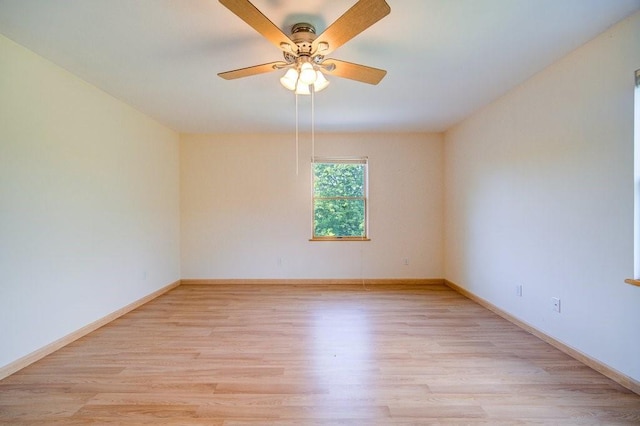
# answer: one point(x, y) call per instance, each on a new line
point(339, 202)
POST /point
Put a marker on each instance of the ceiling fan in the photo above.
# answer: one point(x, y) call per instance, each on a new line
point(305, 52)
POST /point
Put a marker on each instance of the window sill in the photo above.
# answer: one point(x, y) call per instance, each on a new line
point(633, 282)
point(339, 239)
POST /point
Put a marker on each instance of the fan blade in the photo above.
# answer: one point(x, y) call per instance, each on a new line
point(356, 72)
point(361, 16)
point(256, 20)
point(249, 71)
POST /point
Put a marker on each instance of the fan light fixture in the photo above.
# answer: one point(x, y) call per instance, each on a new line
point(302, 77)
point(305, 53)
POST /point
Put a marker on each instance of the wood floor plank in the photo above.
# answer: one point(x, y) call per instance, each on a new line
point(312, 355)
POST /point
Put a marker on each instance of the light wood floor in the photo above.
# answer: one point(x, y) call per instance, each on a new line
point(312, 355)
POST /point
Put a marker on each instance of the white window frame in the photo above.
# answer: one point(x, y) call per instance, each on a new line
point(636, 184)
point(365, 198)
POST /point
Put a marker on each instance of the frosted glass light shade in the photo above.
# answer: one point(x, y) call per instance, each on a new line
point(302, 89)
point(321, 82)
point(290, 79)
point(297, 81)
point(307, 73)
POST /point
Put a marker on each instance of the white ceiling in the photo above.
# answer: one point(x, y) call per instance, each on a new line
point(445, 58)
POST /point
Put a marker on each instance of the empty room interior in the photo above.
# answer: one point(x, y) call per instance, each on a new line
point(435, 221)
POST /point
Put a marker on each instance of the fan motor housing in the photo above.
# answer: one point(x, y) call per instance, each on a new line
point(303, 34)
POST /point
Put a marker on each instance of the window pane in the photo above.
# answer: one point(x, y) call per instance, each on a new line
point(338, 180)
point(339, 218)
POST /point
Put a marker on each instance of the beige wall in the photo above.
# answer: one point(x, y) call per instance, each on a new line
point(246, 214)
point(89, 216)
point(539, 193)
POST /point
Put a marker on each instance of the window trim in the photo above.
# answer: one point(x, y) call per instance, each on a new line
point(636, 183)
point(342, 160)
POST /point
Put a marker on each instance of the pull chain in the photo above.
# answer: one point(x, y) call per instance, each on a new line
point(297, 140)
point(313, 131)
point(313, 124)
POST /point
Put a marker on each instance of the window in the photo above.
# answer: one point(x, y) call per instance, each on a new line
point(340, 199)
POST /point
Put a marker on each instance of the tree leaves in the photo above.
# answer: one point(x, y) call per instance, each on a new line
point(339, 200)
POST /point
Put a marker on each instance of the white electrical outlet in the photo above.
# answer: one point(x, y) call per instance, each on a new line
point(405, 261)
point(519, 290)
point(556, 304)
